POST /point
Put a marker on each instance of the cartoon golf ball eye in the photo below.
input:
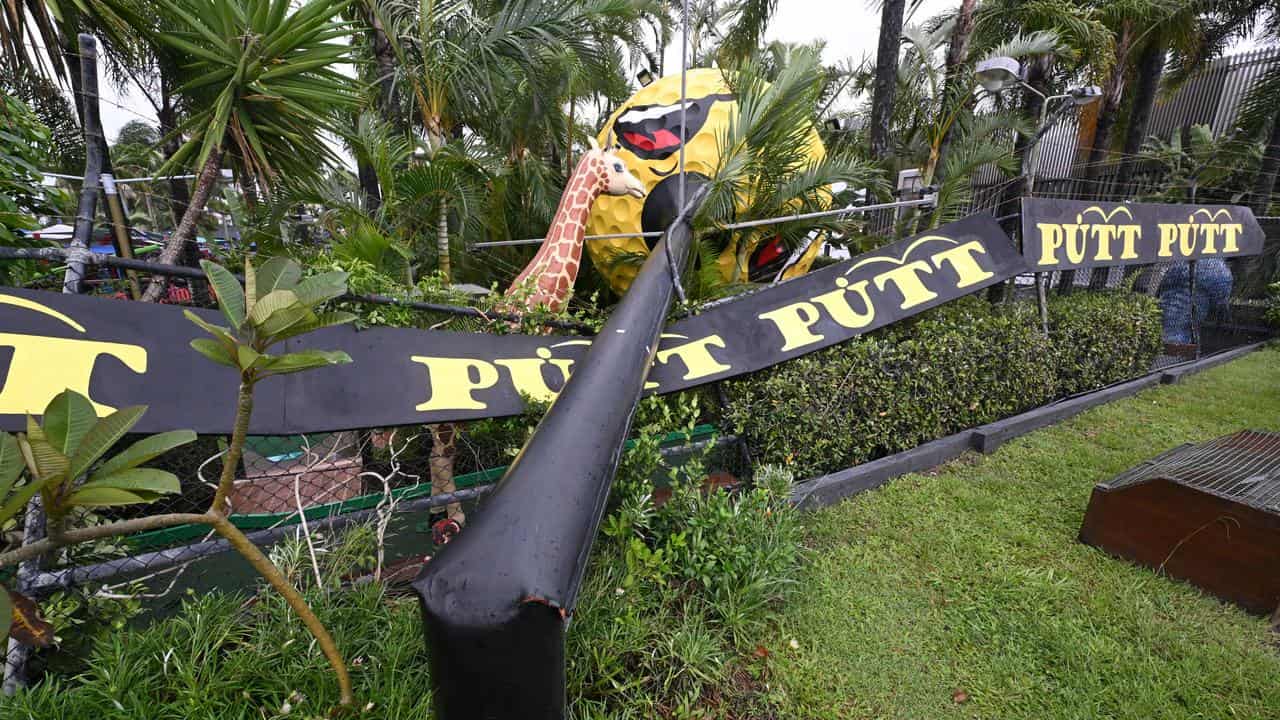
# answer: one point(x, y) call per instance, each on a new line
point(648, 132)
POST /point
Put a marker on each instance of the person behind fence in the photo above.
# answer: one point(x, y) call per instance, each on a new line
point(1212, 297)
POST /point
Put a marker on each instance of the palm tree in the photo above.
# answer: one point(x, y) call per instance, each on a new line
point(935, 116)
point(462, 61)
point(1223, 23)
point(136, 153)
point(886, 76)
point(765, 169)
point(1136, 24)
point(956, 64)
point(258, 87)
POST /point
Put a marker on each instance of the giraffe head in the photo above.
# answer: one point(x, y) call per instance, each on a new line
point(615, 179)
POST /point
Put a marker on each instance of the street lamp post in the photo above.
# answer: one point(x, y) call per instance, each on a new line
point(1003, 73)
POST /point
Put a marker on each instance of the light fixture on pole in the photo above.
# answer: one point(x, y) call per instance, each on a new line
point(1085, 94)
point(644, 77)
point(997, 73)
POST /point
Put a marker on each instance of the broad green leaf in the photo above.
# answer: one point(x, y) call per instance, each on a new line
point(15, 503)
point(217, 331)
point(284, 320)
point(250, 284)
point(305, 360)
point(107, 497)
point(49, 462)
point(214, 350)
point(67, 418)
point(320, 288)
point(149, 480)
point(246, 356)
point(322, 320)
point(278, 273)
point(144, 450)
point(11, 466)
point(231, 297)
point(105, 433)
point(271, 303)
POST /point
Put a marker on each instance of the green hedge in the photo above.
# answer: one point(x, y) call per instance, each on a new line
point(961, 365)
point(1100, 338)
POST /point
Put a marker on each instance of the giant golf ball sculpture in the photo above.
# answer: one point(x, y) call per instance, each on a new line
point(647, 131)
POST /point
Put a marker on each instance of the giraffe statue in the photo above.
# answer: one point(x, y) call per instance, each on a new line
point(549, 276)
point(547, 281)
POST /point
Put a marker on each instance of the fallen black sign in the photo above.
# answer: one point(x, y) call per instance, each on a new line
point(1065, 234)
point(125, 353)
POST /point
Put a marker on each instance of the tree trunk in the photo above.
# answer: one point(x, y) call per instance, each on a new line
point(1111, 96)
point(1264, 183)
point(385, 62)
point(957, 52)
point(1150, 69)
point(568, 143)
point(442, 243)
point(369, 184)
point(179, 198)
point(885, 85)
point(185, 234)
point(444, 443)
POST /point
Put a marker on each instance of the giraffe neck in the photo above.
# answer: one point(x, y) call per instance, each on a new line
point(553, 270)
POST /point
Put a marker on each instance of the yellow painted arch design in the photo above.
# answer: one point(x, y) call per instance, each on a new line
point(1107, 216)
point(42, 309)
point(1213, 216)
point(905, 254)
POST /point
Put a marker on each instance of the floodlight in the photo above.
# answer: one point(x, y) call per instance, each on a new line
point(997, 73)
point(645, 77)
point(1085, 95)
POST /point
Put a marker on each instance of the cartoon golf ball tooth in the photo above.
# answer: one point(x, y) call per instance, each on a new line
point(647, 132)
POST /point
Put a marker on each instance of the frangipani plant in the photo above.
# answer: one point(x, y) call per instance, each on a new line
point(276, 304)
point(56, 454)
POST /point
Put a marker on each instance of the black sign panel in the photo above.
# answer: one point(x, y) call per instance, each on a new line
point(125, 353)
point(1064, 234)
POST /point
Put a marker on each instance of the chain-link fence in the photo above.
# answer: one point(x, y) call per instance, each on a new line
point(305, 491)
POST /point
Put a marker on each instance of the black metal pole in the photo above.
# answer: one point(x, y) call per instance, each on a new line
point(497, 599)
point(93, 143)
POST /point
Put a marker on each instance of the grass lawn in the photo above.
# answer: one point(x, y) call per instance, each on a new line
point(964, 593)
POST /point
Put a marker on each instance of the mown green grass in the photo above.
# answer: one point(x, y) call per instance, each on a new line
point(964, 593)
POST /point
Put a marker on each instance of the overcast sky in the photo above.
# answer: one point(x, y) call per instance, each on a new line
point(850, 28)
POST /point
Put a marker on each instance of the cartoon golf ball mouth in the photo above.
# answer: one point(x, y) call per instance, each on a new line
point(654, 132)
point(648, 131)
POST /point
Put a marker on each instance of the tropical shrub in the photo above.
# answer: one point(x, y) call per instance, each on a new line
point(961, 365)
point(23, 144)
point(277, 303)
point(60, 459)
point(676, 598)
point(1102, 338)
point(1273, 304)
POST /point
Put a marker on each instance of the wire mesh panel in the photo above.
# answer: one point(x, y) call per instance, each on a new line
point(1207, 513)
point(1243, 467)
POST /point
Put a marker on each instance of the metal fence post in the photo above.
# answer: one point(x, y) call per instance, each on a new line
point(496, 601)
point(18, 655)
point(93, 144)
